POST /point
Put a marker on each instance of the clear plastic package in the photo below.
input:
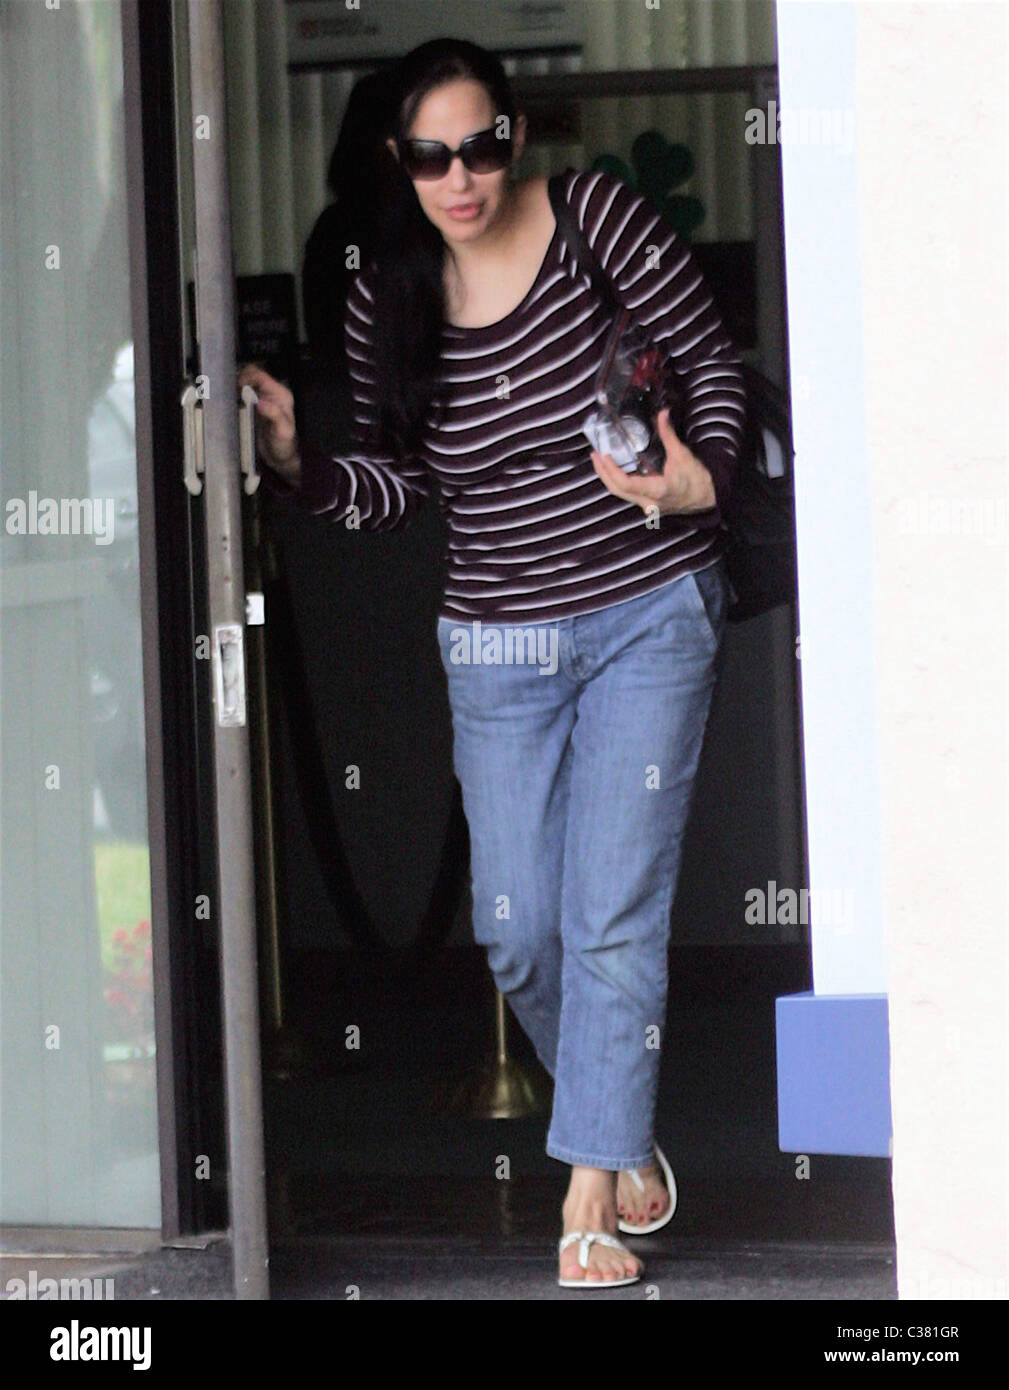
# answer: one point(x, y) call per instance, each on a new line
point(629, 393)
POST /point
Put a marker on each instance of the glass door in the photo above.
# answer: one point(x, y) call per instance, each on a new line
point(79, 1140)
point(90, 974)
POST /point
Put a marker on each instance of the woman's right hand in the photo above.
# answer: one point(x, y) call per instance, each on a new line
point(278, 441)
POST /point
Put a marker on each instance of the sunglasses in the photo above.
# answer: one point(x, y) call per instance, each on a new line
point(483, 153)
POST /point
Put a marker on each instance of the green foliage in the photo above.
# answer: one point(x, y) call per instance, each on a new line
point(123, 890)
point(657, 167)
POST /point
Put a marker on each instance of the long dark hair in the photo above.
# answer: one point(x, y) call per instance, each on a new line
point(359, 170)
point(409, 290)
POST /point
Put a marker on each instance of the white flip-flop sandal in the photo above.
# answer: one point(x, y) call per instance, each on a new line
point(667, 1215)
point(585, 1240)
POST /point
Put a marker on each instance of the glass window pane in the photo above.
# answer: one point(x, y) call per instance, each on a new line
point(79, 1135)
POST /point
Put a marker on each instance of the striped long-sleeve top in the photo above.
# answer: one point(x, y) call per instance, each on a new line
point(533, 533)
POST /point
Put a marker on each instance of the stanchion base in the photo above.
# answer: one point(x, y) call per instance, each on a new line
point(500, 1090)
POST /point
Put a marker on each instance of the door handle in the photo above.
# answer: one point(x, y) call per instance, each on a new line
point(247, 434)
point(192, 440)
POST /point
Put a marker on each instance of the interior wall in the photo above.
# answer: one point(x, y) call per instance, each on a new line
point(366, 604)
point(282, 126)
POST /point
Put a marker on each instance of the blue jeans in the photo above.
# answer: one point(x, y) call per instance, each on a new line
point(575, 744)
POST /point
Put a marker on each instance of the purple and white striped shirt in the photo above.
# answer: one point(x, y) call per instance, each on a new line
point(533, 534)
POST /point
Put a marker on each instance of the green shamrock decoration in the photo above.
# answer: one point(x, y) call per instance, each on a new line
point(657, 167)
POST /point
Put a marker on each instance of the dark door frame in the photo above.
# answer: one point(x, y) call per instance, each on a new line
point(176, 687)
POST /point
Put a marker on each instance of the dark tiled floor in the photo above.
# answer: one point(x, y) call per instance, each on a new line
point(410, 1267)
point(526, 1269)
point(345, 1148)
point(381, 1182)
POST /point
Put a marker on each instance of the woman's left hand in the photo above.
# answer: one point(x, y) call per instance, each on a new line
point(684, 485)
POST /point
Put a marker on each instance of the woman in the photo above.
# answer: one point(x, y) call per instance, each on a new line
point(473, 343)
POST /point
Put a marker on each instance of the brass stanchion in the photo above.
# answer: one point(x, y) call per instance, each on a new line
point(501, 1089)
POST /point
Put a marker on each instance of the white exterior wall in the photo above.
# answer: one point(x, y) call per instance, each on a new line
point(906, 673)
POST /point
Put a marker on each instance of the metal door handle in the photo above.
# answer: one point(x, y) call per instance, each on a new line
point(247, 432)
point(192, 440)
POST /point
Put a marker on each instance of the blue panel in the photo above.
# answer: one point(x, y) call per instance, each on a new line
point(833, 1074)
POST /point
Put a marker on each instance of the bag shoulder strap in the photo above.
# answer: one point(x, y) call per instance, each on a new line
point(578, 244)
point(767, 404)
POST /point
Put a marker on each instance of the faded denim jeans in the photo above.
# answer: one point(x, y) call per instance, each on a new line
point(576, 743)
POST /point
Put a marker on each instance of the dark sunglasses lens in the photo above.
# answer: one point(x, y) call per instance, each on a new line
point(425, 159)
point(486, 153)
